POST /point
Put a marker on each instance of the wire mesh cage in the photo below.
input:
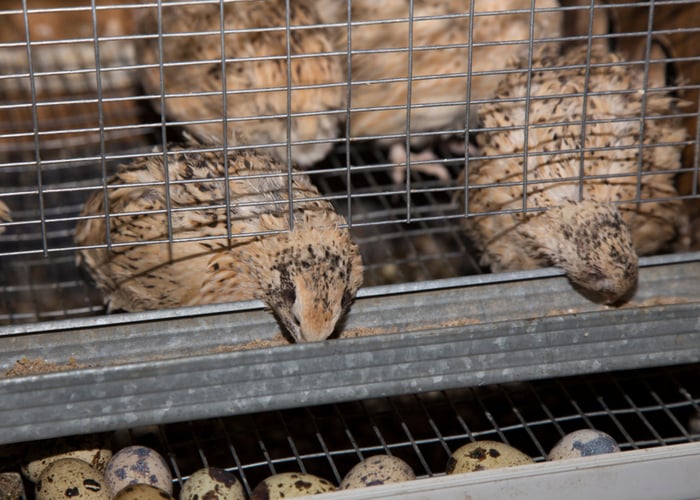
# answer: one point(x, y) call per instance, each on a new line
point(414, 120)
point(78, 104)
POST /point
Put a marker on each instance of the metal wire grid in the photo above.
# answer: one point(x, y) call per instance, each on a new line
point(46, 177)
point(432, 246)
point(65, 135)
point(34, 287)
point(117, 63)
point(640, 409)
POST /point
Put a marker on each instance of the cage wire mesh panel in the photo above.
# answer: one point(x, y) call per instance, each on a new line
point(77, 111)
point(75, 106)
point(86, 90)
point(640, 409)
point(69, 101)
point(80, 97)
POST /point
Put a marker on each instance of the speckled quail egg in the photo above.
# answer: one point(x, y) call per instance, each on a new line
point(142, 492)
point(11, 486)
point(212, 484)
point(138, 465)
point(583, 443)
point(289, 485)
point(379, 469)
point(71, 478)
point(481, 455)
point(87, 450)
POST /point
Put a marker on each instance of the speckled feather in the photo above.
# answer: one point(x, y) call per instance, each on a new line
point(431, 62)
point(587, 238)
point(205, 73)
point(308, 276)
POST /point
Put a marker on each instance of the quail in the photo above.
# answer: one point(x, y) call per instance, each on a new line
point(593, 196)
point(259, 95)
point(307, 274)
point(441, 35)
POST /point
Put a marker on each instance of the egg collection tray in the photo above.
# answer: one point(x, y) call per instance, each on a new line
point(653, 414)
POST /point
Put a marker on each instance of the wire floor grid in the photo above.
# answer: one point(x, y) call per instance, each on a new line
point(639, 408)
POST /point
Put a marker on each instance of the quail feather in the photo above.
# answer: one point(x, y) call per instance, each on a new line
point(586, 195)
point(440, 63)
point(307, 275)
point(254, 75)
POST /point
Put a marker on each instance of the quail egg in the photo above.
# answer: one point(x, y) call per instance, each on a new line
point(71, 478)
point(87, 450)
point(138, 465)
point(142, 492)
point(289, 485)
point(11, 486)
point(583, 443)
point(481, 455)
point(213, 484)
point(379, 469)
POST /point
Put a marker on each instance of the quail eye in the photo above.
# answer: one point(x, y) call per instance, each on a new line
point(288, 295)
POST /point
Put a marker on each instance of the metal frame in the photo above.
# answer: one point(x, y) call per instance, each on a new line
point(169, 366)
point(648, 412)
